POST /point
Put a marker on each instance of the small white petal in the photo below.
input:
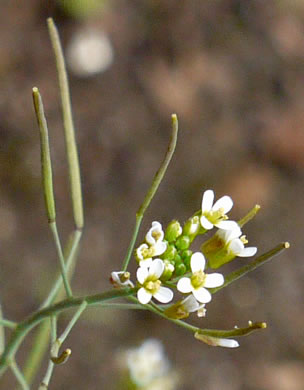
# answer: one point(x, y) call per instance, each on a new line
point(234, 233)
point(157, 225)
point(140, 249)
point(202, 295)
point(163, 295)
point(224, 203)
point(227, 225)
point(249, 251)
point(184, 285)
point(143, 296)
point(198, 262)
point(142, 274)
point(207, 201)
point(146, 263)
point(190, 304)
point(206, 224)
point(214, 280)
point(236, 246)
point(159, 248)
point(157, 268)
point(227, 343)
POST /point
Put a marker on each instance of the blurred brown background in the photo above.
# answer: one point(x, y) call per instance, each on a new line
point(233, 71)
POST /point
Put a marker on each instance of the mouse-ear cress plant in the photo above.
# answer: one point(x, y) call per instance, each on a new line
point(172, 279)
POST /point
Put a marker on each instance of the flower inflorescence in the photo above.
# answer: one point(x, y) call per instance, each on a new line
point(167, 262)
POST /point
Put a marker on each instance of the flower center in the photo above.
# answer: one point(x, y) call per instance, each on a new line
point(198, 279)
point(152, 286)
point(216, 216)
point(156, 234)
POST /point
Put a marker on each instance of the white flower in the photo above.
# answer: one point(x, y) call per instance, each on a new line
point(216, 341)
point(143, 254)
point(234, 243)
point(191, 305)
point(215, 214)
point(147, 362)
point(121, 279)
point(155, 233)
point(199, 280)
point(148, 278)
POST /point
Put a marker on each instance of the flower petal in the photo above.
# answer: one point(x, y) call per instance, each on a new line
point(225, 203)
point(157, 268)
point(249, 251)
point(159, 248)
point(206, 224)
point(198, 262)
point(142, 274)
point(144, 296)
point(184, 285)
point(227, 225)
point(146, 263)
point(227, 343)
point(207, 201)
point(163, 295)
point(236, 246)
point(202, 295)
point(190, 304)
point(214, 280)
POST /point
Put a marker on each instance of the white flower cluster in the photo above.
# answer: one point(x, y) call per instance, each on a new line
point(166, 257)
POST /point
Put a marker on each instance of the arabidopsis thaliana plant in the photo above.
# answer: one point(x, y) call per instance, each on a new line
point(148, 278)
point(199, 280)
point(215, 214)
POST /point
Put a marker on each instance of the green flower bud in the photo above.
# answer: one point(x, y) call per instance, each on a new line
point(183, 242)
point(177, 259)
point(186, 256)
point(192, 227)
point(168, 271)
point(173, 231)
point(170, 253)
point(180, 269)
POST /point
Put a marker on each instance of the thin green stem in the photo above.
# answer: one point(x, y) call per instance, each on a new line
point(69, 131)
point(40, 343)
point(7, 323)
point(154, 187)
point(73, 321)
point(123, 306)
point(25, 326)
point(235, 275)
point(252, 213)
point(19, 376)
point(66, 283)
point(2, 331)
point(47, 377)
point(70, 256)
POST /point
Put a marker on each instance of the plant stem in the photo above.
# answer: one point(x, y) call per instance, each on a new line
point(150, 194)
point(19, 376)
point(235, 275)
point(72, 322)
point(66, 283)
point(25, 326)
point(7, 323)
point(69, 131)
point(41, 340)
point(46, 380)
point(70, 256)
point(252, 213)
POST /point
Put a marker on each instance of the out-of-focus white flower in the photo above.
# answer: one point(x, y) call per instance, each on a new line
point(216, 341)
point(89, 52)
point(148, 278)
point(215, 214)
point(234, 243)
point(147, 362)
point(121, 279)
point(199, 280)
